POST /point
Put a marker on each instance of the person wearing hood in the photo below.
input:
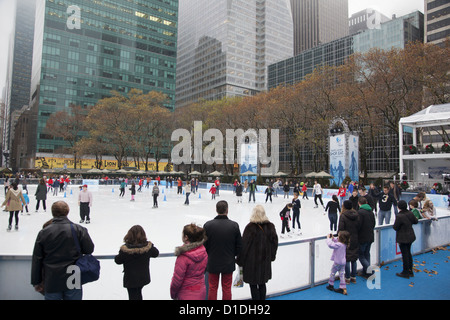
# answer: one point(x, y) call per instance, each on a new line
point(365, 235)
point(188, 280)
point(405, 236)
point(349, 221)
point(259, 249)
point(135, 256)
point(13, 202)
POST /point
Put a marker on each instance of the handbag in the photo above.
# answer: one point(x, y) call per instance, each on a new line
point(89, 266)
point(239, 279)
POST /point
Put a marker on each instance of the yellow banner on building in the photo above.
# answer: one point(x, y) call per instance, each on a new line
point(69, 163)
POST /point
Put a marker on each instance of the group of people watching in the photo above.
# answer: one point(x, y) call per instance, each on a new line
point(214, 248)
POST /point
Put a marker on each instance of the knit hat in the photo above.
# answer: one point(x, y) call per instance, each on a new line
point(402, 205)
point(348, 204)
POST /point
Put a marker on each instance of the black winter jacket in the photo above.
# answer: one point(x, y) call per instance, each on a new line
point(136, 264)
point(403, 225)
point(223, 244)
point(367, 224)
point(54, 251)
point(259, 249)
point(239, 189)
point(349, 221)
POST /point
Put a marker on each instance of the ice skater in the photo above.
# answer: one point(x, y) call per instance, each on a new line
point(133, 191)
point(285, 216)
point(286, 190)
point(305, 191)
point(213, 192)
point(41, 194)
point(252, 189)
point(187, 190)
point(13, 202)
point(333, 207)
point(269, 192)
point(339, 246)
point(155, 194)
point(239, 189)
point(296, 205)
point(85, 203)
point(26, 203)
point(317, 193)
point(180, 186)
point(122, 188)
point(55, 187)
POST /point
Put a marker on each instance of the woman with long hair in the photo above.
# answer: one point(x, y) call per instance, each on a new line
point(41, 194)
point(259, 249)
point(429, 210)
point(14, 201)
point(135, 256)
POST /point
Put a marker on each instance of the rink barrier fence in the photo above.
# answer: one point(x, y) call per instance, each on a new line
point(290, 273)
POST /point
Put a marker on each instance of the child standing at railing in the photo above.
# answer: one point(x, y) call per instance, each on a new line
point(339, 246)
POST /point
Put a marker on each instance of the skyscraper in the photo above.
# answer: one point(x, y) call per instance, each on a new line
point(318, 21)
point(437, 21)
point(18, 78)
point(84, 49)
point(224, 47)
point(366, 19)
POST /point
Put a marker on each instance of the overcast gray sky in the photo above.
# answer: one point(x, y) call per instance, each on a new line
point(387, 7)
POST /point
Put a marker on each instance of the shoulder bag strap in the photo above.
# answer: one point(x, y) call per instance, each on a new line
point(75, 238)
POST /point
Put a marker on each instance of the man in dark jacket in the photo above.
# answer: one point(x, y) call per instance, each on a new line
point(386, 202)
point(55, 251)
point(370, 201)
point(405, 237)
point(365, 235)
point(223, 244)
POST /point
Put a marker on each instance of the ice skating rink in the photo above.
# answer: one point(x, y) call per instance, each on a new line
point(112, 216)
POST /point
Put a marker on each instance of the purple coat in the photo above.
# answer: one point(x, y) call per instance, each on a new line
point(188, 281)
point(339, 249)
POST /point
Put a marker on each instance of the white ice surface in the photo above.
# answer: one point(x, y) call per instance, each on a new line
point(112, 217)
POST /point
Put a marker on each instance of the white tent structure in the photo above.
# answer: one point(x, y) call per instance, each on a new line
point(422, 128)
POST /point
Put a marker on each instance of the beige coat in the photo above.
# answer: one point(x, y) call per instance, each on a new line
point(13, 200)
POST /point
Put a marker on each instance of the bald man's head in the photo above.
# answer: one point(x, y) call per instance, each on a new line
point(60, 209)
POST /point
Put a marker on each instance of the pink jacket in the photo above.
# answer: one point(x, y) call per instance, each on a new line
point(188, 281)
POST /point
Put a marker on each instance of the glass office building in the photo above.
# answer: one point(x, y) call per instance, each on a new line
point(224, 47)
point(84, 49)
point(395, 33)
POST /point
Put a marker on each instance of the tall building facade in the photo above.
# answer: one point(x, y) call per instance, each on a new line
point(318, 22)
point(84, 49)
point(437, 21)
point(18, 78)
point(366, 19)
point(224, 47)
